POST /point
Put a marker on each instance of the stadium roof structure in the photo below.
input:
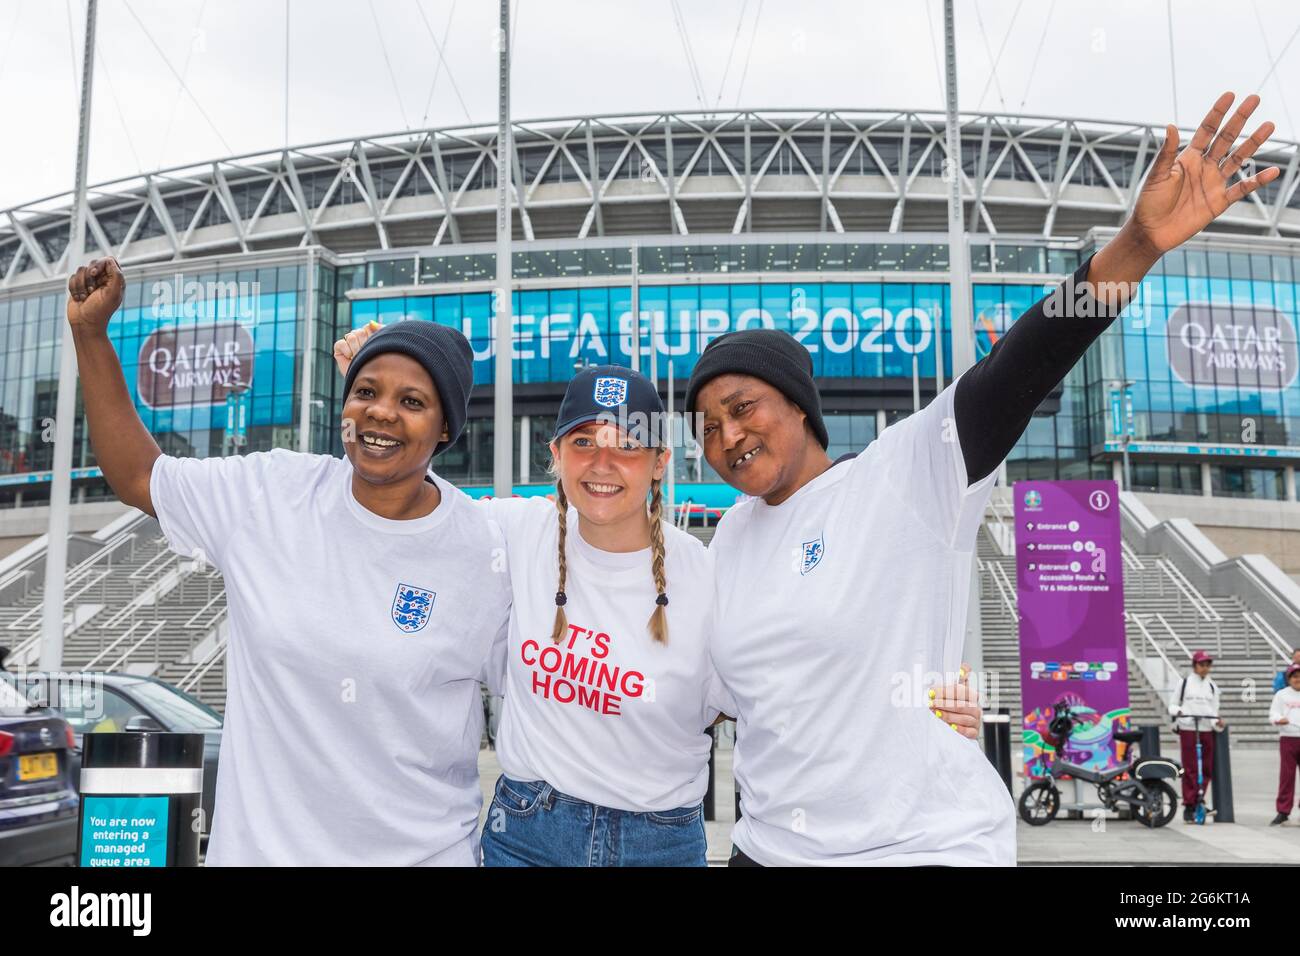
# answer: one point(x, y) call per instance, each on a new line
point(675, 173)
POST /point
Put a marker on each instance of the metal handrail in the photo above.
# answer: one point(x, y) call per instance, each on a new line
point(1265, 630)
point(19, 573)
point(1172, 633)
point(83, 567)
point(147, 571)
point(217, 653)
point(74, 576)
point(25, 575)
point(1131, 559)
point(120, 638)
point(1001, 571)
point(1203, 606)
point(992, 567)
point(16, 623)
point(1142, 628)
point(23, 645)
point(129, 609)
point(136, 646)
point(215, 618)
point(683, 518)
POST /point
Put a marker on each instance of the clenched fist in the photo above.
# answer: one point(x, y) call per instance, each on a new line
point(94, 294)
point(346, 348)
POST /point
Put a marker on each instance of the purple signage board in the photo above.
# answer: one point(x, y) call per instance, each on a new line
point(1070, 596)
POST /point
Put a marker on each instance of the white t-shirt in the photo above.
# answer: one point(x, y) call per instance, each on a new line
point(356, 647)
point(1197, 697)
point(832, 609)
point(1286, 703)
point(607, 715)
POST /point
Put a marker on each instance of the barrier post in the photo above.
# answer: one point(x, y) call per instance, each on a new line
point(710, 809)
point(1150, 742)
point(141, 799)
point(997, 743)
point(1221, 783)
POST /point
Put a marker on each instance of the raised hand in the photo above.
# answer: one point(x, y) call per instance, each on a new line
point(1186, 191)
point(94, 293)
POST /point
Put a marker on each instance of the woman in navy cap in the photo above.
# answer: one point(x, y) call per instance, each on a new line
point(607, 672)
point(364, 602)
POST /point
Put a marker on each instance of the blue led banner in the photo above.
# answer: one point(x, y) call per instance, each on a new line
point(863, 330)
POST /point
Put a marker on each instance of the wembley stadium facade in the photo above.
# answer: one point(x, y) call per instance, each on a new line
point(828, 223)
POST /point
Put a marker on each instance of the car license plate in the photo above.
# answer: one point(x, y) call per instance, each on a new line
point(38, 766)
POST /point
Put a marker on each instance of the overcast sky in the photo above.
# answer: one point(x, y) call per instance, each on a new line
point(361, 67)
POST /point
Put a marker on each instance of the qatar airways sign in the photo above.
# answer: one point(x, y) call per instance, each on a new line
point(194, 364)
point(1208, 342)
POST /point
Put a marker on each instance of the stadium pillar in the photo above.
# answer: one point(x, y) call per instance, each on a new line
point(56, 552)
point(308, 357)
point(671, 442)
point(636, 310)
point(503, 393)
point(963, 332)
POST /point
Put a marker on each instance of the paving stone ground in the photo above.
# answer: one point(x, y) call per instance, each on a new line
point(1115, 842)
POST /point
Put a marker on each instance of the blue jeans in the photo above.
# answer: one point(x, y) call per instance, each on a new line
point(530, 823)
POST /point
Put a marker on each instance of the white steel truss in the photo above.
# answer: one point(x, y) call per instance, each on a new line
point(835, 171)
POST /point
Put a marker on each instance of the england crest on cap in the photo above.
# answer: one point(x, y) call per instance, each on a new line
point(610, 391)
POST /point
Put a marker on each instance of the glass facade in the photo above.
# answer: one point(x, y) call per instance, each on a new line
point(212, 361)
point(678, 258)
point(1202, 368)
point(1210, 351)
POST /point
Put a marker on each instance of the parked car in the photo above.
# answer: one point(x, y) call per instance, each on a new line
point(38, 799)
point(108, 702)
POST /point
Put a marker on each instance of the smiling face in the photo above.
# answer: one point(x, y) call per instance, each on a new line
point(396, 418)
point(1294, 680)
point(607, 475)
point(754, 437)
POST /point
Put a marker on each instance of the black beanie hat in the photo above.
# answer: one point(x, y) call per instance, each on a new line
point(770, 354)
point(445, 354)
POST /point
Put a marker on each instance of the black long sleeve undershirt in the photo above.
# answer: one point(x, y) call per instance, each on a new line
point(996, 397)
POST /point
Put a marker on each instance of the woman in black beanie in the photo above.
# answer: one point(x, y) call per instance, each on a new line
point(865, 564)
point(607, 674)
point(364, 598)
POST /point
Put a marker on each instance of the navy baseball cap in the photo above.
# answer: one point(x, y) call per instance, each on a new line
point(615, 394)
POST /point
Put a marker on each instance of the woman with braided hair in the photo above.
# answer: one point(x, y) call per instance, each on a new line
point(608, 684)
point(602, 739)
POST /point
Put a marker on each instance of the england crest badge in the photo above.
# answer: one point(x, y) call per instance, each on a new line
point(812, 552)
point(411, 607)
point(610, 391)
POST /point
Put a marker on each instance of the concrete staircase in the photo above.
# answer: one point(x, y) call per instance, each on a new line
point(132, 606)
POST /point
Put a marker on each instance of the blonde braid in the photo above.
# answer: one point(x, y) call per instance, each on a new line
point(561, 622)
point(658, 623)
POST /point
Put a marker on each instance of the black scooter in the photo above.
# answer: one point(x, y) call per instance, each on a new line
point(1153, 801)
